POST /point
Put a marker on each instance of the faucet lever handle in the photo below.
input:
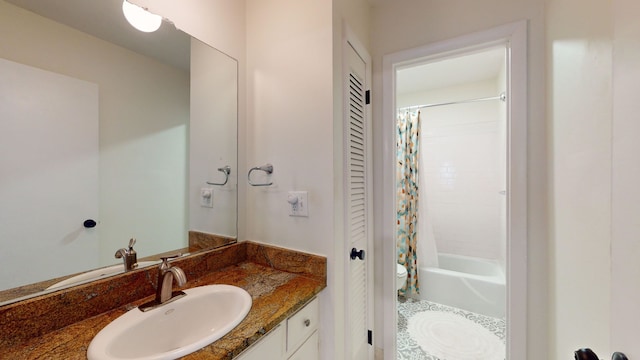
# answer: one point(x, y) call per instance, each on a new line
point(165, 260)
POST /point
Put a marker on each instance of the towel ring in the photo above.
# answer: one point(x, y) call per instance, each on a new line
point(268, 168)
point(226, 170)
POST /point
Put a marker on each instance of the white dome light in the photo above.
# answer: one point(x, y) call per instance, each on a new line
point(140, 18)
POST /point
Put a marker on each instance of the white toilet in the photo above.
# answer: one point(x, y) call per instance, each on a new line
point(401, 278)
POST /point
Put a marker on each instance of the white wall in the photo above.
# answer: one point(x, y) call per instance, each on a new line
point(417, 23)
point(294, 95)
point(219, 23)
point(593, 78)
point(290, 117)
point(460, 177)
point(625, 247)
point(579, 62)
point(290, 122)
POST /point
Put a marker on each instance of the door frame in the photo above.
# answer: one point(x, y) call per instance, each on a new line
point(514, 37)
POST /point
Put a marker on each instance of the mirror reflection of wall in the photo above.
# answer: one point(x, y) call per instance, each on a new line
point(49, 146)
point(213, 141)
point(142, 140)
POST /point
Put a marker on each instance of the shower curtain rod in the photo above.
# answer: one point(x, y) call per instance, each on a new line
point(502, 97)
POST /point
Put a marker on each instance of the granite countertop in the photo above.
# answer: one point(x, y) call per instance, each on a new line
point(197, 241)
point(280, 283)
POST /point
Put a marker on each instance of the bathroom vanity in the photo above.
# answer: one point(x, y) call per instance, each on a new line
point(294, 338)
point(283, 285)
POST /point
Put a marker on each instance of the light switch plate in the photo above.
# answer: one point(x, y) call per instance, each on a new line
point(299, 207)
point(206, 197)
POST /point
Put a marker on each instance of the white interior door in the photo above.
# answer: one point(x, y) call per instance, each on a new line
point(48, 173)
point(358, 208)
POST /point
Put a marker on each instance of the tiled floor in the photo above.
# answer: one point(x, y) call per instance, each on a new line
point(408, 347)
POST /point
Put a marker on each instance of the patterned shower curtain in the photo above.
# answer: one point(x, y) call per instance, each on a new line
point(407, 144)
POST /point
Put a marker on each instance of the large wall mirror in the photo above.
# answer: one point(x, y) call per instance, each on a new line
point(102, 122)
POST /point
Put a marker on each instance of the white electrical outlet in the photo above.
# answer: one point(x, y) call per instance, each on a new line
point(298, 205)
point(206, 197)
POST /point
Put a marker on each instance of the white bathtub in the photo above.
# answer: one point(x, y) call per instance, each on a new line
point(467, 283)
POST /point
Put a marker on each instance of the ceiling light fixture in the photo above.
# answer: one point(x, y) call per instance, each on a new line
point(140, 18)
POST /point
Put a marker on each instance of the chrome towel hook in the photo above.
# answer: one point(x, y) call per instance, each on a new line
point(226, 170)
point(268, 168)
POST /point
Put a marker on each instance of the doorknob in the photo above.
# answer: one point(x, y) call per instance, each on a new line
point(357, 254)
point(89, 223)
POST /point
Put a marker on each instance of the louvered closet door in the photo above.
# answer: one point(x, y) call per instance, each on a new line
point(357, 208)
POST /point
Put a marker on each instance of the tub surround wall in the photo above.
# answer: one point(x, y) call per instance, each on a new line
point(61, 324)
point(460, 170)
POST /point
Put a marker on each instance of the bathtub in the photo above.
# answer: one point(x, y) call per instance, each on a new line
point(467, 283)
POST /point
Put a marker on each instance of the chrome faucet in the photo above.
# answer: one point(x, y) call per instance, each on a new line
point(129, 256)
point(164, 293)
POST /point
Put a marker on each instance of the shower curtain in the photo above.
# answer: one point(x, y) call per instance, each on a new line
point(407, 145)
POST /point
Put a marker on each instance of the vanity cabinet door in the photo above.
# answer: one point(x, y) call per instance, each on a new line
point(295, 338)
point(270, 347)
point(308, 350)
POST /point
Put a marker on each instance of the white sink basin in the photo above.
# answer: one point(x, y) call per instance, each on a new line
point(96, 274)
point(175, 329)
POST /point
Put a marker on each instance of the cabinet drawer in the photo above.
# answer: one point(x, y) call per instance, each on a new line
point(301, 325)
